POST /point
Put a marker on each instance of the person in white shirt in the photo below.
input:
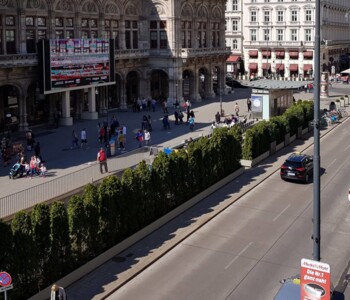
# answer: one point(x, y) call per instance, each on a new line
point(83, 138)
point(147, 137)
point(124, 133)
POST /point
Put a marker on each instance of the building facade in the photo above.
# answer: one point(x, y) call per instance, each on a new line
point(163, 49)
point(279, 37)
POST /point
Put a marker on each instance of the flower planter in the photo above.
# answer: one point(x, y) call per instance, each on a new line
point(342, 103)
point(250, 163)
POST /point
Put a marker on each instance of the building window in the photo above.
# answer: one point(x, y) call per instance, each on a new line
point(294, 16)
point(280, 34)
point(10, 21)
point(266, 34)
point(186, 34)
point(112, 31)
point(30, 41)
point(216, 34)
point(308, 35)
point(30, 21)
point(234, 25)
point(308, 15)
point(266, 16)
point(158, 35)
point(280, 16)
point(253, 16)
point(253, 34)
point(1, 52)
point(69, 22)
point(10, 41)
point(41, 34)
point(234, 5)
point(69, 34)
point(294, 34)
point(202, 34)
point(131, 34)
point(59, 22)
point(234, 44)
point(41, 21)
point(59, 34)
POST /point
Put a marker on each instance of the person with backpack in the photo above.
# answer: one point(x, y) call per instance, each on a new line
point(102, 160)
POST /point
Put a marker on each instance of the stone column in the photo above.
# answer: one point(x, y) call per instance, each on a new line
point(91, 114)
point(66, 119)
point(194, 88)
point(23, 125)
point(123, 103)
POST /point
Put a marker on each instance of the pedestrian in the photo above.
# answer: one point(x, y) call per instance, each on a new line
point(176, 115)
point(191, 122)
point(249, 104)
point(32, 167)
point(236, 109)
point(217, 118)
point(166, 124)
point(153, 103)
point(83, 138)
point(30, 139)
point(134, 105)
point(149, 123)
point(102, 160)
point(74, 140)
point(101, 134)
point(139, 104)
point(181, 117)
point(124, 133)
point(165, 106)
point(147, 137)
point(121, 140)
point(43, 170)
point(139, 137)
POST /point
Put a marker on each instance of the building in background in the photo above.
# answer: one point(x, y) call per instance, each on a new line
point(279, 37)
point(163, 49)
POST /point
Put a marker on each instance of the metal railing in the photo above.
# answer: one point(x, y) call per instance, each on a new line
point(58, 188)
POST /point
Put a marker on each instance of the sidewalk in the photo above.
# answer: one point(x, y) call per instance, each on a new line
point(60, 160)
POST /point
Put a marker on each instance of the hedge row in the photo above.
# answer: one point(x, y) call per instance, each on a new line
point(258, 138)
point(41, 247)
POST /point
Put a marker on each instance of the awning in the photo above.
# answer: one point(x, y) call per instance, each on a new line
point(293, 54)
point(233, 58)
point(308, 54)
point(293, 67)
point(253, 66)
point(253, 53)
point(280, 53)
point(266, 66)
point(279, 67)
point(266, 53)
point(307, 67)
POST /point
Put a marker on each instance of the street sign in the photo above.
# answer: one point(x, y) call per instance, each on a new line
point(315, 280)
point(6, 288)
point(5, 279)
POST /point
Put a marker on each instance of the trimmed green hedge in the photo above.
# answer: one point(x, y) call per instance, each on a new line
point(258, 138)
point(41, 247)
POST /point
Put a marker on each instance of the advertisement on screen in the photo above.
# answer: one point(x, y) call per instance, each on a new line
point(71, 63)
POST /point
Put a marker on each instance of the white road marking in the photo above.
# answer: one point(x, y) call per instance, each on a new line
point(346, 148)
point(333, 161)
point(238, 255)
point(281, 213)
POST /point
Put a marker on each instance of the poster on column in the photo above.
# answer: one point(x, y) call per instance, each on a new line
point(315, 280)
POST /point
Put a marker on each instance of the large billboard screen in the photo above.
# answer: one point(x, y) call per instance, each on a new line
point(72, 63)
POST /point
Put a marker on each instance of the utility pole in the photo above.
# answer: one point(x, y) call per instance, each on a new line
point(316, 235)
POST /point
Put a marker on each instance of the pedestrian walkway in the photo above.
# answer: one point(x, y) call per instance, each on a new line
point(62, 161)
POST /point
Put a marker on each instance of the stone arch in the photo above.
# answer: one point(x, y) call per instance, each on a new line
point(90, 7)
point(64, 6)
point(187, 83)
point(10, 105)
point(187, 11)
point(131, 10)
point(132, 86)
point(204, 82)
point(157, 9)
point(202, 12)
point(217, 13)
point(111, 8)
point(159, 84)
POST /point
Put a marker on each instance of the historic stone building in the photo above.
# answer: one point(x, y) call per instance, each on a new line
point(163, 49)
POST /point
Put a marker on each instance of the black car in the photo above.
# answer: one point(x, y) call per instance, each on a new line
point(297, 167)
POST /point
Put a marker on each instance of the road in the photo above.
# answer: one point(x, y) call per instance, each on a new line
point(260, 239)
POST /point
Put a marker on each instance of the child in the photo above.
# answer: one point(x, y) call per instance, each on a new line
point(26, 168)
point(43, 170)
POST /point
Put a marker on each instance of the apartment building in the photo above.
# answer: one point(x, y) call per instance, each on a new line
point(279, 37)
point(162, 49)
